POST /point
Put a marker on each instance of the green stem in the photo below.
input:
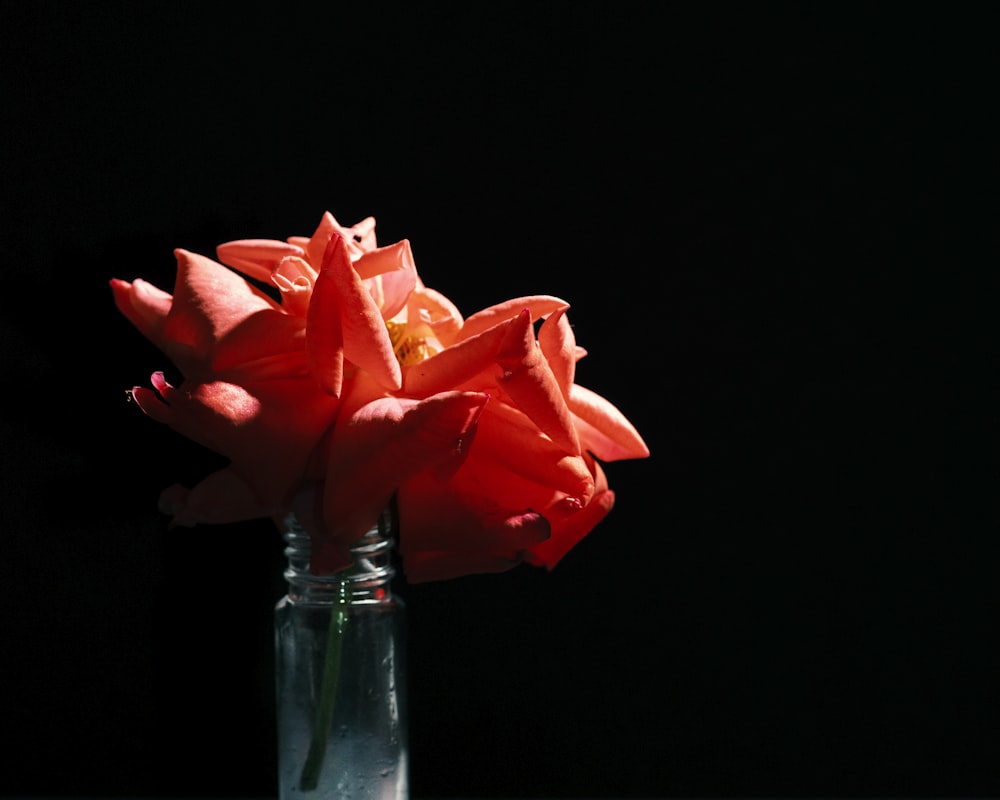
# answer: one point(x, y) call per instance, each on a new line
point(328, 692)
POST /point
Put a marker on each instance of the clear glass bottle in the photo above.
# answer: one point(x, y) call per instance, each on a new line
point(340, 674)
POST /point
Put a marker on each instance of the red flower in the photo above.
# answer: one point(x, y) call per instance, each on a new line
point(361, 384)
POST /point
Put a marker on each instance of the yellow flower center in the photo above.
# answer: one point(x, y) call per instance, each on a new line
point(410, 346)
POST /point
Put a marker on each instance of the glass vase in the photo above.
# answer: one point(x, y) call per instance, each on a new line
point(340, 674)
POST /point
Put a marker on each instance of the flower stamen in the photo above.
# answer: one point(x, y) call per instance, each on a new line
point(409, 346)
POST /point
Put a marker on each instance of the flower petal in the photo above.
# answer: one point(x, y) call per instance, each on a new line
point(390, 275)
point(366, 339)
point(325, 336)
point(570, 531)
point(256, 257)
point(437, 517)
point(262, 338)
point(387, 442)
point(358, 238)
point(295, 279)
point(540, 305)
point(558, 344)
point(221, 498)
point(210, 300)
point(391, 258)
point(530, 383)
point(435, 311)
point(315, 246)
point(144, 305)
point(268, 429)
point(455, 365)
point(506, 437)
point(445, 534)
point(363, 233)
point(604, 430)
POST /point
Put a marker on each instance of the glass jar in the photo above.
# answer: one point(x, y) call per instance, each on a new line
point(340, 674)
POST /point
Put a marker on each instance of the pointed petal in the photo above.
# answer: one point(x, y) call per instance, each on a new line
point(324, 335)
point(540, 305)
point(487, 486)
point(568, 533)
point(210, 300)
point(267, 337)
point(150, 402)
point(387, 442)
point(604, 430)
point(442, 535)
point(509, 439)
point(220, 498)
point(530, 383)
point(436, 517)
point(365, 336)
point(143, 304)
point(457, 364)
point(559, 348)
point(268, 430)
point(315, 246)
point(256, 257)
point(391, 258)
point(390, 275)
point(363, 233)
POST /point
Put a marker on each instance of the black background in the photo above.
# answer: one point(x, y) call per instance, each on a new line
point(761, 215)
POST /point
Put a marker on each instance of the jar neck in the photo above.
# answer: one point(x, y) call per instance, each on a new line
point(365, 582)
